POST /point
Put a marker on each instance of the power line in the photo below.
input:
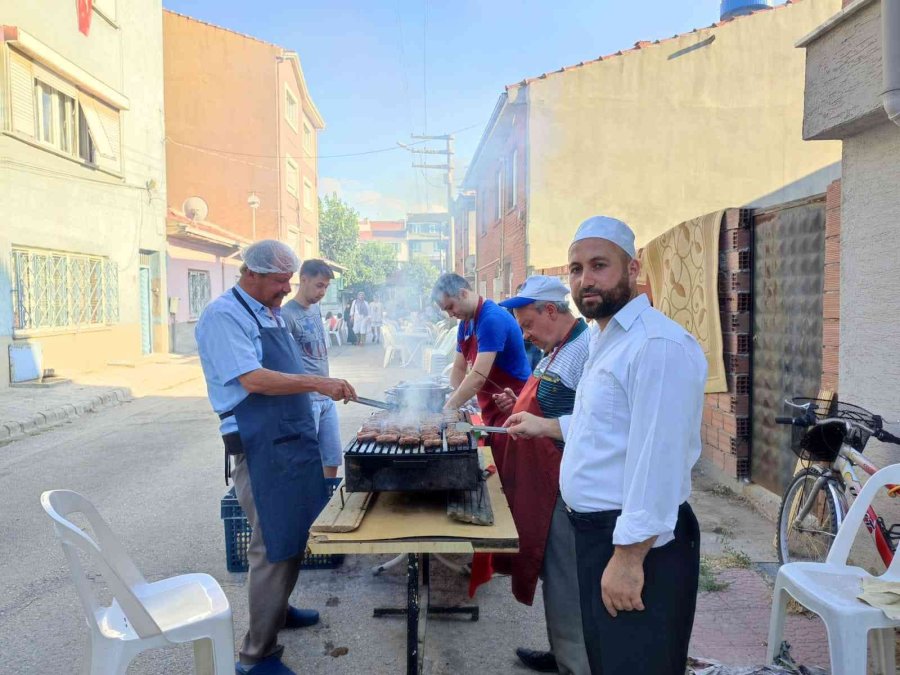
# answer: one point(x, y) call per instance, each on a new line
point(317, 157)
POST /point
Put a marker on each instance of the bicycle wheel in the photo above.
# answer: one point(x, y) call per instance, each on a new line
point(811, 539)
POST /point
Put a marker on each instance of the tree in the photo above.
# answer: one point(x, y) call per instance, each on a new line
point(369, 265)
point(338, 229)
point(420, 275)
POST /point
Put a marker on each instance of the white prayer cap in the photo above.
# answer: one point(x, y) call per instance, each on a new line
point(270, 257)
point(611, 229)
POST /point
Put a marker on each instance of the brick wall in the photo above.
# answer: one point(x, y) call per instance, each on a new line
point(831, 302)
point(511, 226)
point(726, 417)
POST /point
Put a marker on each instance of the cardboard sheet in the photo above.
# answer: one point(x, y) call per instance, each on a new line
point(398, 522)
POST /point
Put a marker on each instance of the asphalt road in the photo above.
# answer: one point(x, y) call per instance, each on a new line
point(153, 467)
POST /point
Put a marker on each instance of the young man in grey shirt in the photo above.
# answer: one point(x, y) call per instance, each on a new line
point(304, 319)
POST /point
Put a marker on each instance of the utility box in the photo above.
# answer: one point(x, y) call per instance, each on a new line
point(26, 362)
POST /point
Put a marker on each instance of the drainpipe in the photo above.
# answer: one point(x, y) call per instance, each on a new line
point(890, 45)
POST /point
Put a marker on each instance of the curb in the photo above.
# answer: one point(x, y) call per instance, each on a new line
point(13, 431)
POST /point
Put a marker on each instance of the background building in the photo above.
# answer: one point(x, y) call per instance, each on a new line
point(655, 135)
point(83, 187)
point(241, 136)
point(390, 232)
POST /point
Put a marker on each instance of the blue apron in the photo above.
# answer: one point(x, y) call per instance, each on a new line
point(281, 449)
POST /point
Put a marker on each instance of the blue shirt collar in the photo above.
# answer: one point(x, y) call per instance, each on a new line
point(626, 316)
point(254, 304)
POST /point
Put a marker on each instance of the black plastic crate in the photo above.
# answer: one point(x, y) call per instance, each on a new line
point(238, 530)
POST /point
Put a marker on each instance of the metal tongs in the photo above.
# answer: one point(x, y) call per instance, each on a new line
point(374, 404)
point(465, 427)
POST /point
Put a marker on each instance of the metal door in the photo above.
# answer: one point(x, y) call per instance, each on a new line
point(146, 316)
point(788, 276)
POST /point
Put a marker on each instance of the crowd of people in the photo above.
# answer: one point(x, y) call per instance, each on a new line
point(603, 424)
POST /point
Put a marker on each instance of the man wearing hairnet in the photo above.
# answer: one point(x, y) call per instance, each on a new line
point(255, 380)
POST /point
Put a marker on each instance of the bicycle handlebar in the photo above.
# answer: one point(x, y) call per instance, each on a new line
point(790, 420)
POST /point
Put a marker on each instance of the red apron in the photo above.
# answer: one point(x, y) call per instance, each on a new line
point(497, 380)
point(530, 477)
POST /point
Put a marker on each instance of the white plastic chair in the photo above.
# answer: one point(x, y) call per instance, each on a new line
point(391, 346)
point(187, 608)
point(336, 333)
point(830, 589)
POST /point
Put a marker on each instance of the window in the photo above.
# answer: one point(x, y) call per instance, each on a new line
point(310, 251)
point(307, 139)
point(499, 213)
point(292, 176)
point(54, 289)
point(56, 118)
point(307, 194)
point(198, 292)
point(511, 181)
point(291, 108)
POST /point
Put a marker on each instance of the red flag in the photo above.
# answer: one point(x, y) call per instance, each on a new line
point(84, 15)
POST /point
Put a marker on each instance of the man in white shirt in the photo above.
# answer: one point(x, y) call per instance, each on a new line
point(625, 477)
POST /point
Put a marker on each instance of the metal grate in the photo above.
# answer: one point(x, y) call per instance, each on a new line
point(63, 290)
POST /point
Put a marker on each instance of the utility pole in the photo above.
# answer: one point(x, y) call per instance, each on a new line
point(447, 168)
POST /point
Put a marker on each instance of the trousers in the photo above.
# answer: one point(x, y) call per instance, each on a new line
point(561, 600)
point(649, 642)
point(270, 584)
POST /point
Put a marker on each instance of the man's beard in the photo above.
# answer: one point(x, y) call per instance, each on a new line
point(611, 301)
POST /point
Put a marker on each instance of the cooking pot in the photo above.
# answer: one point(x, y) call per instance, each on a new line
point(428, 395)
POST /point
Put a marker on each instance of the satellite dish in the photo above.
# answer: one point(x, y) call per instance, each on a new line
point(195, 208)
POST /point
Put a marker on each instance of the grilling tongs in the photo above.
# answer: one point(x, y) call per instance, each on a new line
point(465, 427)
point(373, 403)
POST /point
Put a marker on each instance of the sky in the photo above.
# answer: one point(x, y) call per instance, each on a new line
point(382, 70)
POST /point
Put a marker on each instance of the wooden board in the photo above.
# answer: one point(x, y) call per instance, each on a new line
point(398, 522)
point(344, 511)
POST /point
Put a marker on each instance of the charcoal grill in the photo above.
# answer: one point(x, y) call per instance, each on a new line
point(390, 467)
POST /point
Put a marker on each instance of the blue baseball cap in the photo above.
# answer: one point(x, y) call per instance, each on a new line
point(538, 288)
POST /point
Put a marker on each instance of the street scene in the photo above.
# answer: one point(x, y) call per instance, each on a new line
point(439, 338)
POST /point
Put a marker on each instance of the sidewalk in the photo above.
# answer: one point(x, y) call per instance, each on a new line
point(738, 563)
point(32, 408)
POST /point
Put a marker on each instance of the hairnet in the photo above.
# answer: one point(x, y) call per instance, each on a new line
point(270, 257)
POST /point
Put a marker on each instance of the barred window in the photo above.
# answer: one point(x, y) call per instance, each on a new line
point(198, 291)
point(53, 289)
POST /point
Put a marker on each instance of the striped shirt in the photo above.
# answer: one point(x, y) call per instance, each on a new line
point(556, 391)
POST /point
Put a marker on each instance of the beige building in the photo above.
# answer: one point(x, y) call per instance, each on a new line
point(655, 135)
point(852, 59)
point(82, 184)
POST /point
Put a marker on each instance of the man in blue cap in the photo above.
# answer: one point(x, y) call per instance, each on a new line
point(256, 384)
point(530, 474)
point(625, 476)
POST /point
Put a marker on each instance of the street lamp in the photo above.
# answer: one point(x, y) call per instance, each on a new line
point(253, 203)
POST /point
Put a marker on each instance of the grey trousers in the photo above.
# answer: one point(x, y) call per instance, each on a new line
point(562, 603)
point(270, 584)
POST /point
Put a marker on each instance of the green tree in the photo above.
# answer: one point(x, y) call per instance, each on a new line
point(338, 229)
point(420, 275)
point(370, 265)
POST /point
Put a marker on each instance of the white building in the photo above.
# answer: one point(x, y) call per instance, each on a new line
point(82, 184)
point(852, 80)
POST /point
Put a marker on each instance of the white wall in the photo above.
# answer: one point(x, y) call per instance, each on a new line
point(870, 274)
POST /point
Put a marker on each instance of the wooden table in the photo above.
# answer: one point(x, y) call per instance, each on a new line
point(417, 524)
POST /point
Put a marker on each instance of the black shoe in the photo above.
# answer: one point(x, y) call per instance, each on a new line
point(543, 662)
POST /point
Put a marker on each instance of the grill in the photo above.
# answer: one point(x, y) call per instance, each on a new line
point(390, 467)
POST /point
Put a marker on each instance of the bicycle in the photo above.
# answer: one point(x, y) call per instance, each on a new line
point(819, 495)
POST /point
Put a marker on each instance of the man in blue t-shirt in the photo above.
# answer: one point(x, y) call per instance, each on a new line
point(490, 352)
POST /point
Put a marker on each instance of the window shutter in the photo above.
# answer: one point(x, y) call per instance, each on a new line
point(21, 81)
point(103, 123)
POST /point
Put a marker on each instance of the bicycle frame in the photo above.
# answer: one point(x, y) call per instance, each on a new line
point(845, 466)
